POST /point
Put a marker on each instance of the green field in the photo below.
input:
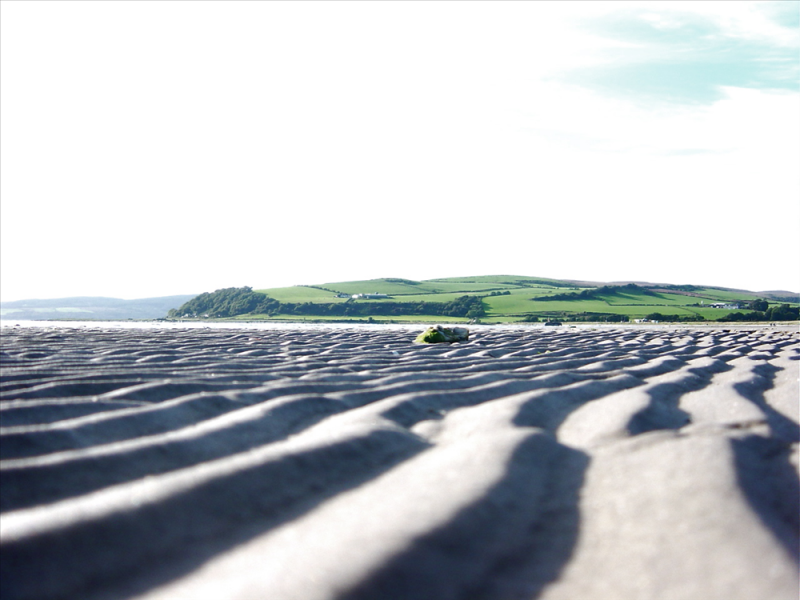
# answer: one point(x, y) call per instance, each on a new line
point(508, 298)
point(399, 287)
point(300, 293)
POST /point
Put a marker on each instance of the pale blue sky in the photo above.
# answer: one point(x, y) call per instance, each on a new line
point(159, 148)
point(688, 58)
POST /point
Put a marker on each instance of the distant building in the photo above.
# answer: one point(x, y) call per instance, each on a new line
point(374, 296)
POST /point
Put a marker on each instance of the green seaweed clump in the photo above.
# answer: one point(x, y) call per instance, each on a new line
point(440, 335)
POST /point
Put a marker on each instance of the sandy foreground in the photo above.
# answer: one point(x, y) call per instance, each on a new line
point(319, 463)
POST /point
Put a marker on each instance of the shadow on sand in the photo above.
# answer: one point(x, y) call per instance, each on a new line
point(770, 484)
point(516, 538)
point(131, 551)
point(764, 470)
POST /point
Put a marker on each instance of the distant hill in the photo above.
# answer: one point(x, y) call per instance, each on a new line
point(492, 299)
point(88, 308)
point(780, 296)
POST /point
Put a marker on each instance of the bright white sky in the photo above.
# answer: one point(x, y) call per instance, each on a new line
point(160, 148)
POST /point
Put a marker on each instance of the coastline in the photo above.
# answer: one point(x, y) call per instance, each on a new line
point(787, 326)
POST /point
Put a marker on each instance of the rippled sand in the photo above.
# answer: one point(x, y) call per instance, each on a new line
point(350, 463)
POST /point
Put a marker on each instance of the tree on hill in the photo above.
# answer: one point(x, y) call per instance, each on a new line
point(656, 316)
point(465, 306)
point(784, 312)
point(230, 302)
point(226, 302)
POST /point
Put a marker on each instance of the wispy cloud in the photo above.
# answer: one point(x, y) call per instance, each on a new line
point(685, 53)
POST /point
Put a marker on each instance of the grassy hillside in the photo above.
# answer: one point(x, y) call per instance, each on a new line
point(490, 298)
point(508, 298)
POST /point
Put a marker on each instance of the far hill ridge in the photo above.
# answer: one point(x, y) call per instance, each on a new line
point(491, 299)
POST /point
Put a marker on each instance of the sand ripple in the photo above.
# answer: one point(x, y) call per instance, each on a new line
point(336, 463)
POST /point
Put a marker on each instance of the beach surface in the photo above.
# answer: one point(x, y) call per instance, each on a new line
point(311, 463)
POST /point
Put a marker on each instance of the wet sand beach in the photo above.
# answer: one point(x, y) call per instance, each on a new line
point(333, 462)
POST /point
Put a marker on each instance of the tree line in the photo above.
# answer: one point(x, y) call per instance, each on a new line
point(782, 312)
point(228, 302)
point(592, 294)
point(231, 302)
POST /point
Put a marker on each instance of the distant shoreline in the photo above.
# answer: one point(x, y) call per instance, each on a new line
point(275, 324)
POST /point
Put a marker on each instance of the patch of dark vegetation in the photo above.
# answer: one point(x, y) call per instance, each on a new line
point(783, 312)
point(227, 302)
point(400, 280)
point(592, 294)
point(680, 288)
point(232, 302)
point(593, 317)
point(656, 316)
point(466, 306)
point(534, 282)
point(666, 289)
